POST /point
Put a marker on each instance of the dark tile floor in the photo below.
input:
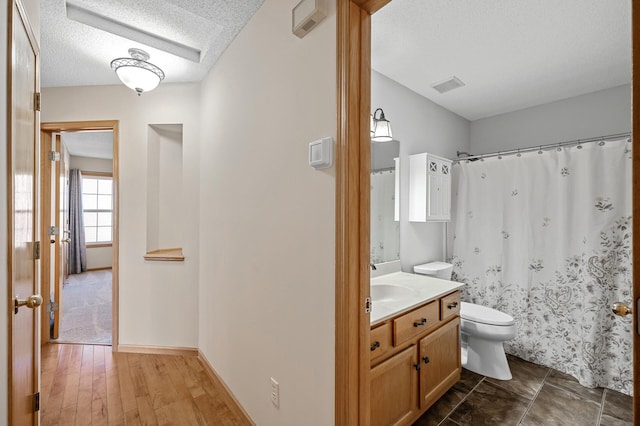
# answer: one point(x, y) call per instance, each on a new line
point(536, 396)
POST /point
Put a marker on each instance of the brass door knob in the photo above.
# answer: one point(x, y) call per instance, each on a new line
point(66, 240)
point(30, 302)
point(621, 309)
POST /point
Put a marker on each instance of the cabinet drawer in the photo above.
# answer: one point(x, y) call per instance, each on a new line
point(450, 305)
point(415, 322)
point(380, 341)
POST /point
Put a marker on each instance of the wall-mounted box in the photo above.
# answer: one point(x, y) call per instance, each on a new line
point(429, 188)
point(306, 15)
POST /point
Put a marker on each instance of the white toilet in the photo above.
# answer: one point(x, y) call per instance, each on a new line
point(483, 330)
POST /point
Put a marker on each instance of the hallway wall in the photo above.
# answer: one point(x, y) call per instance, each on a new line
point(157, 305)
point(268, 219)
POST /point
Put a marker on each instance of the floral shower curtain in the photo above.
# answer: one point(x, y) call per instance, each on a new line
point(546, 237)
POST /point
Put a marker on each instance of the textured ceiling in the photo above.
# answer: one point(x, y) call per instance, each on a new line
point(76, 54)
point(92, 144)
point(511, 54)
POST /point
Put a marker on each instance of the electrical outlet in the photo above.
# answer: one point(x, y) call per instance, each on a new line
point(275, 392)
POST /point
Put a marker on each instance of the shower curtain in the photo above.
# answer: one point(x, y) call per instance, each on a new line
point(546, 237)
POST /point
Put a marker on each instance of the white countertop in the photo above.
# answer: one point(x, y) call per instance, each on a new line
point(424, 289)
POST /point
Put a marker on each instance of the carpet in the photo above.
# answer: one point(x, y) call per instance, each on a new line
point(86, 308)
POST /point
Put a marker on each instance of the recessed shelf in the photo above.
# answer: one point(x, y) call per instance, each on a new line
point(166, 255)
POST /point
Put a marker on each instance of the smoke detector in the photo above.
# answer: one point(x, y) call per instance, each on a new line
point(448, 84)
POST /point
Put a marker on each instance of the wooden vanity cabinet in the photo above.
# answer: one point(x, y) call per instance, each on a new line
point(439, 368)
point(398, 374)
point(414, 363)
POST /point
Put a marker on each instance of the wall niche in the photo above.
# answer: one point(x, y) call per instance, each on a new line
point(164, 192)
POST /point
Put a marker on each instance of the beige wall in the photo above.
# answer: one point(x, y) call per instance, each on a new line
point(267, 218)
point(156, 298)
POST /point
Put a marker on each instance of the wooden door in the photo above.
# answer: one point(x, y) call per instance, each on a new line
point(23, 178)
point(60, 195)
point(394, 390)
point(439, 370)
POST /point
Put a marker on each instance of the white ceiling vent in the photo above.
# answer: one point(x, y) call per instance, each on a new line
point(448, 84)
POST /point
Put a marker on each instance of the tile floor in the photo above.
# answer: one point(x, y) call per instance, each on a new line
point(536, 396)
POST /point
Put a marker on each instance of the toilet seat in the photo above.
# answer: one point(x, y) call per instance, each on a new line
point(484, 315)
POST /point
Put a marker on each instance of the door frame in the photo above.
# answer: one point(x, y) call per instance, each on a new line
point(77, 126)
point(353, 48)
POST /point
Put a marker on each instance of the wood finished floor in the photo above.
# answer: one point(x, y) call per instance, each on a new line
point(90, 385)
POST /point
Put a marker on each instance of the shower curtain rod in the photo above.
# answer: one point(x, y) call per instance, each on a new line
point(541, 147)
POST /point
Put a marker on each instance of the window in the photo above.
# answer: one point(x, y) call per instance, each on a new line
point(97, 206)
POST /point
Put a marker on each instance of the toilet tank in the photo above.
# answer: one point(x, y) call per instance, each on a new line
point(435, 269)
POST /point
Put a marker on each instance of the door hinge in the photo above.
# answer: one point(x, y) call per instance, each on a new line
point(36, 250)
point(53, 306)
point(36, 101)
point(368, 304)
point(53, 230)
point(36, 401)
point(54, 156)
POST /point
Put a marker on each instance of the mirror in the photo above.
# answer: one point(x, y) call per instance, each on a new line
point(385, 224)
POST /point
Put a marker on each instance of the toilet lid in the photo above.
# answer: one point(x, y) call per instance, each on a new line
point(484, 315)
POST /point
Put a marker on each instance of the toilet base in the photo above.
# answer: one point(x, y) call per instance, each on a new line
point(485, 357)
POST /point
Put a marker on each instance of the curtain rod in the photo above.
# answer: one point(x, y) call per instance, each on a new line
point(542, 147)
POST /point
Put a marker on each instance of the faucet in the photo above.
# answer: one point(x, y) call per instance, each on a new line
point(372, 266)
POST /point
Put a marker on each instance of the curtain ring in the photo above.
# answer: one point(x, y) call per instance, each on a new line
point(540, 150)
point(601, 143)
point(499, 156)
point(518, 154)
point(559, 147)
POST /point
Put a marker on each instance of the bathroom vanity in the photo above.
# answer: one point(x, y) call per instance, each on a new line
point(415, 345)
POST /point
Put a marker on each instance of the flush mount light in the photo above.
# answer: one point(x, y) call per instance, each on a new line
point(136, 73)
point(381, 128)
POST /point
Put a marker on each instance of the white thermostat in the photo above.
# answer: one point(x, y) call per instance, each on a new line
point(306, 15)
point(321, 153)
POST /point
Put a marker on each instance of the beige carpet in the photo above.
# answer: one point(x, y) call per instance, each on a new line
point(86, 308)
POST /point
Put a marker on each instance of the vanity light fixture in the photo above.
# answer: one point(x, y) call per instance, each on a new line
point(136, 73)
point(381, 130)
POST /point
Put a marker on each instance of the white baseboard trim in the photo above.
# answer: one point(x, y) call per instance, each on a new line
point(225, 392)
point(158, 350)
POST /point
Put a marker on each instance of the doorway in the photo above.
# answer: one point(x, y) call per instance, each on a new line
point(352, 223)
point(80, 221)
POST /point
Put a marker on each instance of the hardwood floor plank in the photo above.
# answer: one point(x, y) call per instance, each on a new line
point(99, 414)
point(89, 385)
point(85, 387)
point(127, 392)
point(114, 401)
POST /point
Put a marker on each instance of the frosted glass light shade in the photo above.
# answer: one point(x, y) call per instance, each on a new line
point(138, 79)
point(381, 128)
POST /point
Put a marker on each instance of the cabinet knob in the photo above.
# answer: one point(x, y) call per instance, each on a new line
point(426, 359)
point(422, 322)
point(417, 366)
point(375, 346)
point(452, 305)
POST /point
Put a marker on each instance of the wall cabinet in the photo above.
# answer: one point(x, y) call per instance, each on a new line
point(429, 188)
point(415, 359)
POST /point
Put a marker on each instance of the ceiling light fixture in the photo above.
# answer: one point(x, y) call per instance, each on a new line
point(381, 128)
point(136, 73)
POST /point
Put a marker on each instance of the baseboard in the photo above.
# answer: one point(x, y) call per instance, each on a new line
point(102, 268)
point(225, 392)
point(157, 350)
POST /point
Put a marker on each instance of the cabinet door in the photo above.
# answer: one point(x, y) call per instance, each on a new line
point(440, 362)
point(394, 389)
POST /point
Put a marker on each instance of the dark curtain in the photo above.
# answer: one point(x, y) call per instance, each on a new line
point(77, 246)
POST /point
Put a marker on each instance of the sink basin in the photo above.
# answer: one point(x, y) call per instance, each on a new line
point(389, 292)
